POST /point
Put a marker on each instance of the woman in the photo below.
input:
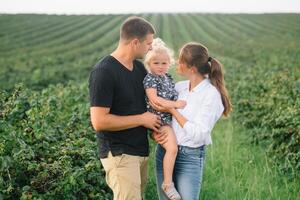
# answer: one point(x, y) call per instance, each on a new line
point(207, 100)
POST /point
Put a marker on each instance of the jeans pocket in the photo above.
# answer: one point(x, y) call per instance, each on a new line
point(193, 153)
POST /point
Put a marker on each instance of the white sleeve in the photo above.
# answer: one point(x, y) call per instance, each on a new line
point(198, 129)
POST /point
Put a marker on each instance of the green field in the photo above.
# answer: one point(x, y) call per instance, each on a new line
point(47, 145)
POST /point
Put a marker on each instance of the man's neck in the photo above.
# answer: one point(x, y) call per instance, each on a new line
point(124, 56)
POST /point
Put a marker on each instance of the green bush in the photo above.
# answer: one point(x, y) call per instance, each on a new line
point(47, 146)
point(267, 101)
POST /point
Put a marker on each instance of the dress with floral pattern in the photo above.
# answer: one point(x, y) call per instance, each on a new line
point(165, 88)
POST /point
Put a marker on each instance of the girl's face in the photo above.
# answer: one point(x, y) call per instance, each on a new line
point(159, 63)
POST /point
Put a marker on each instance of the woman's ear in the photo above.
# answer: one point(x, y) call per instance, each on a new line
point(194, 69)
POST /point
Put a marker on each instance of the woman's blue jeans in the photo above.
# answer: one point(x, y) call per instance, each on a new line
point(187, 174)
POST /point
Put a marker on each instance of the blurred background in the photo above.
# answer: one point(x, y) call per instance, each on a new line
point(48, 48)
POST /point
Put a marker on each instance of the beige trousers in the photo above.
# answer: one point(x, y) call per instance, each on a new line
point(126, 175)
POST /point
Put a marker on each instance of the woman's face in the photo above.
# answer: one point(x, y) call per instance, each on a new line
point(182, 69)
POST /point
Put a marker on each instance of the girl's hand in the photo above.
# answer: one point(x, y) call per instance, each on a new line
point(180, 104)
point(158, 107)
point(162, 108)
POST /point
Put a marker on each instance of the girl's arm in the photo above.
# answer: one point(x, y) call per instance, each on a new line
point(154, 99)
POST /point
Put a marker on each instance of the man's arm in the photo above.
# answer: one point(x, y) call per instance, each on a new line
point(103, 120)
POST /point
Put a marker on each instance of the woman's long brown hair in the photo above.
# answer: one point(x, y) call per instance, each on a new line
point(196, 55)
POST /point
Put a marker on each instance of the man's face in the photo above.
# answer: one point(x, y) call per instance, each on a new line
point(142, 47)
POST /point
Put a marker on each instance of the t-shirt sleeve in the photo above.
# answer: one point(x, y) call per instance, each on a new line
point(101, 88)
point(150, 81)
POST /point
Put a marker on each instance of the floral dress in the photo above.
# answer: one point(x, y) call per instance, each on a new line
point(165, 88)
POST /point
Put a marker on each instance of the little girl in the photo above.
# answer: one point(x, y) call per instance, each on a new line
point(160, 89)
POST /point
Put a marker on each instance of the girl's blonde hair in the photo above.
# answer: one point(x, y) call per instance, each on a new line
point(159, 46)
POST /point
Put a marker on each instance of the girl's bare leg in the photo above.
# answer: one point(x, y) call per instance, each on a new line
point(168, 163)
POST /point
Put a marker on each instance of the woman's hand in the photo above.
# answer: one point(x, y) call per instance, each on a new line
point(180, 104)
point(159, 137)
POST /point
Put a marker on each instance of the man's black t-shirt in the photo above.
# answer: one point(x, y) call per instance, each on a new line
point(112, 85)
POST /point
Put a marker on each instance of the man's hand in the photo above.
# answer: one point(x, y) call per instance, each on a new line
point(151, 121)
point(160, 137)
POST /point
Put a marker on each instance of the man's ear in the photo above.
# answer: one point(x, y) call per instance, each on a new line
point(135, 41)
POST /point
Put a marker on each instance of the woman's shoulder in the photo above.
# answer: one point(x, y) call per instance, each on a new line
point(212, 91)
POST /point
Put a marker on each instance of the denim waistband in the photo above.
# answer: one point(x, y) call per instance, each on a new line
point(182, 148)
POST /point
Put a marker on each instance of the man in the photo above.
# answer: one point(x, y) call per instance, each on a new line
point(118, 111)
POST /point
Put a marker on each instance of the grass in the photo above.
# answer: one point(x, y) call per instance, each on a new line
point(236, 169)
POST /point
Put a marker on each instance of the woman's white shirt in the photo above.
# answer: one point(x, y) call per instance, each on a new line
point(204, 108)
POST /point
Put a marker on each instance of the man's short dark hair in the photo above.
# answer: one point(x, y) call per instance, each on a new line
point(136, 27)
